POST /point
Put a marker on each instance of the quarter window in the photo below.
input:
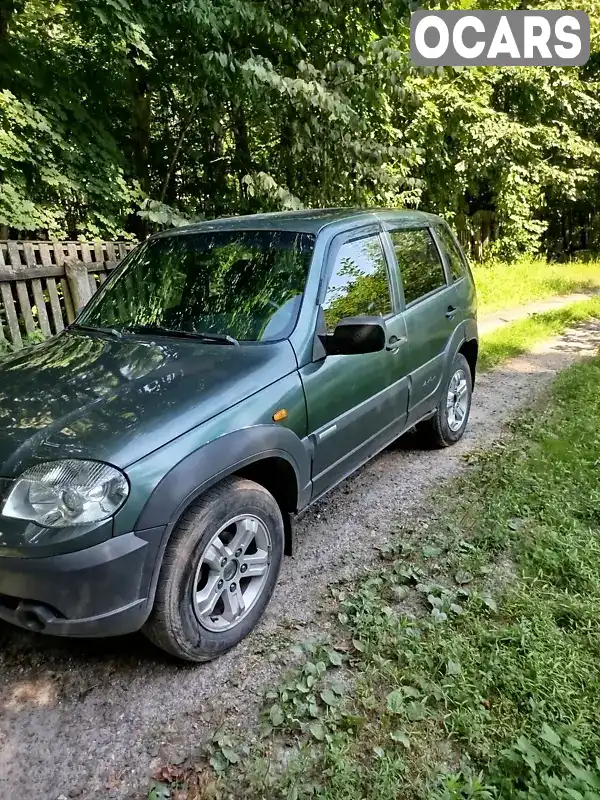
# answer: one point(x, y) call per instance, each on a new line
point(359, 284)
point(420, 265)
point(455, 259)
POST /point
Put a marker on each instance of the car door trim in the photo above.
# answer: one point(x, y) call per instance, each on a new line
point(443, 256)
point(394, 264)
point(340, 239)
point(427, 296)
point(324, 434)
point(371, 447)
point(340, 422)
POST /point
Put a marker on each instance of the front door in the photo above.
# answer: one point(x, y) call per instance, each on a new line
point(430, 314)
point(356, 403)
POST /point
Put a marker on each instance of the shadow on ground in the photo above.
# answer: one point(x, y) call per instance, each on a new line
point(93, 717)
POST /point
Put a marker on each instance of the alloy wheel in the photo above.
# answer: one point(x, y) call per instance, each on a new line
point(232, 573)
point(457, 402)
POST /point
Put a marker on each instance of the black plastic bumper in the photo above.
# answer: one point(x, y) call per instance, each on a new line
point(100, 591)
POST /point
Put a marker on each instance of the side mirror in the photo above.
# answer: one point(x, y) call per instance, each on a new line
point(356, 335)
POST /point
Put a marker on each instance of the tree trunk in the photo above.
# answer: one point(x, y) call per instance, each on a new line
point(8, 8)
point(140, 133)
point(186, 125)
point(286, 159)
point(215, 175)
point(242, 159)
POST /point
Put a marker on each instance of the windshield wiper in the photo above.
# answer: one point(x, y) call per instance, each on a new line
point(75, 326)
point(220, 338)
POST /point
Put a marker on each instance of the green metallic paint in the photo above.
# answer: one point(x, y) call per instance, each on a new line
point(116, 400)
point(351, 398)
point(146, 404)
point(429, 331)
point(307, 221)
point(258, 409)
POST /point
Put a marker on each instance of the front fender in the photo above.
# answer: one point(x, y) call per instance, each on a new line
point(212, 462)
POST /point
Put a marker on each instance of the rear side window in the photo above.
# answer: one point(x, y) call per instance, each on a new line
point(420, 265)
point(359, 283)
point(455, 259)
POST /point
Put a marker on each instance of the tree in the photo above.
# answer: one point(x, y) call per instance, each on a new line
point(118, 117)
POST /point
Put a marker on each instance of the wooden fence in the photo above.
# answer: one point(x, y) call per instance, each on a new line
point(44, 284)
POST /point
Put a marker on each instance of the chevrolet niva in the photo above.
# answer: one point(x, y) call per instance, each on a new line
point(226, 376)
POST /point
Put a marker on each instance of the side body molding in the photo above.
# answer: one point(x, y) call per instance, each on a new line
point(223, 456)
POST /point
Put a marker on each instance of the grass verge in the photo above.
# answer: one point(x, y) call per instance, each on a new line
point(501, 285)
point(465, 665)
point(520, 336)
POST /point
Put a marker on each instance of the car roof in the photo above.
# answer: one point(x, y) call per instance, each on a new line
point(307, 220)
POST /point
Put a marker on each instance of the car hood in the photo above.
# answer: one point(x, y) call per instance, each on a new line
point(116, 400)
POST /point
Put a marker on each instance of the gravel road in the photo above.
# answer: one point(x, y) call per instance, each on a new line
point(91, 719)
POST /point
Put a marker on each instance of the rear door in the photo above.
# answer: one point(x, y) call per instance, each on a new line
point(430, 313)
point(356, 403)
point(458, 267)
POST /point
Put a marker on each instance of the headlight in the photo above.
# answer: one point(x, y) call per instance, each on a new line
point(57, 494)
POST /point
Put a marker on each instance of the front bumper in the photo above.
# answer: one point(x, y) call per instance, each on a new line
point(105, 590)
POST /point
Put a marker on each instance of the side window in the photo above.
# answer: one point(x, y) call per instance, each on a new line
point(359, 283)
point(455, 259)
point(420, 264)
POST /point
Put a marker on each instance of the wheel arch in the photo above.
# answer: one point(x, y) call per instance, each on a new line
point(274, 457)
point(277, 476)
point(470, 350)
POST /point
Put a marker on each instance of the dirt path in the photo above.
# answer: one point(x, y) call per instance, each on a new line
point(491, 322)
point(90, 719)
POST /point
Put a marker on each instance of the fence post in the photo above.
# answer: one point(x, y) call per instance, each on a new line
point(77, 276)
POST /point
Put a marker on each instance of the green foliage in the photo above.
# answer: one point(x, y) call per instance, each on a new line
point(548, 766)
point(308, 702)
point(499, 699)
point(520, 337)
point(502, 285)
point(515, 141)
point(510, 682)
point(29, 340)
point(118, 116)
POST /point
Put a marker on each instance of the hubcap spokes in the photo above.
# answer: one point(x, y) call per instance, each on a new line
point(457, 403)
point(231, 573)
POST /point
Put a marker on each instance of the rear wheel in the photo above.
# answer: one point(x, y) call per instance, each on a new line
point(449, 422)
point(218, 572)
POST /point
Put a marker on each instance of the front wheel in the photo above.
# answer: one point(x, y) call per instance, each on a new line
point(219, 571)
point(448, 423)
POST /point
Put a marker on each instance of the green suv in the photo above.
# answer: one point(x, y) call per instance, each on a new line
point(226, 376)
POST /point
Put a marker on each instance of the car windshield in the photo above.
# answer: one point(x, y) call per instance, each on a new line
point(245, 285)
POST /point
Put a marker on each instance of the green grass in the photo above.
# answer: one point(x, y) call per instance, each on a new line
point(520, 336)
point(466, 664)
point(501, 285)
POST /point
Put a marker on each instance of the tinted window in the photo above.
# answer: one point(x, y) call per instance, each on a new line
point(245, 284)
point(359, 283)
point(457, 265)
point(420, 264)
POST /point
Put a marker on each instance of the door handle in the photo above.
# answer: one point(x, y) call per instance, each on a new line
point(395, 343)
point(451, 312)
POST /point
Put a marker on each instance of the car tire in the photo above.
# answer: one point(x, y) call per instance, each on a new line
point(210, 596)
point(449, 422)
